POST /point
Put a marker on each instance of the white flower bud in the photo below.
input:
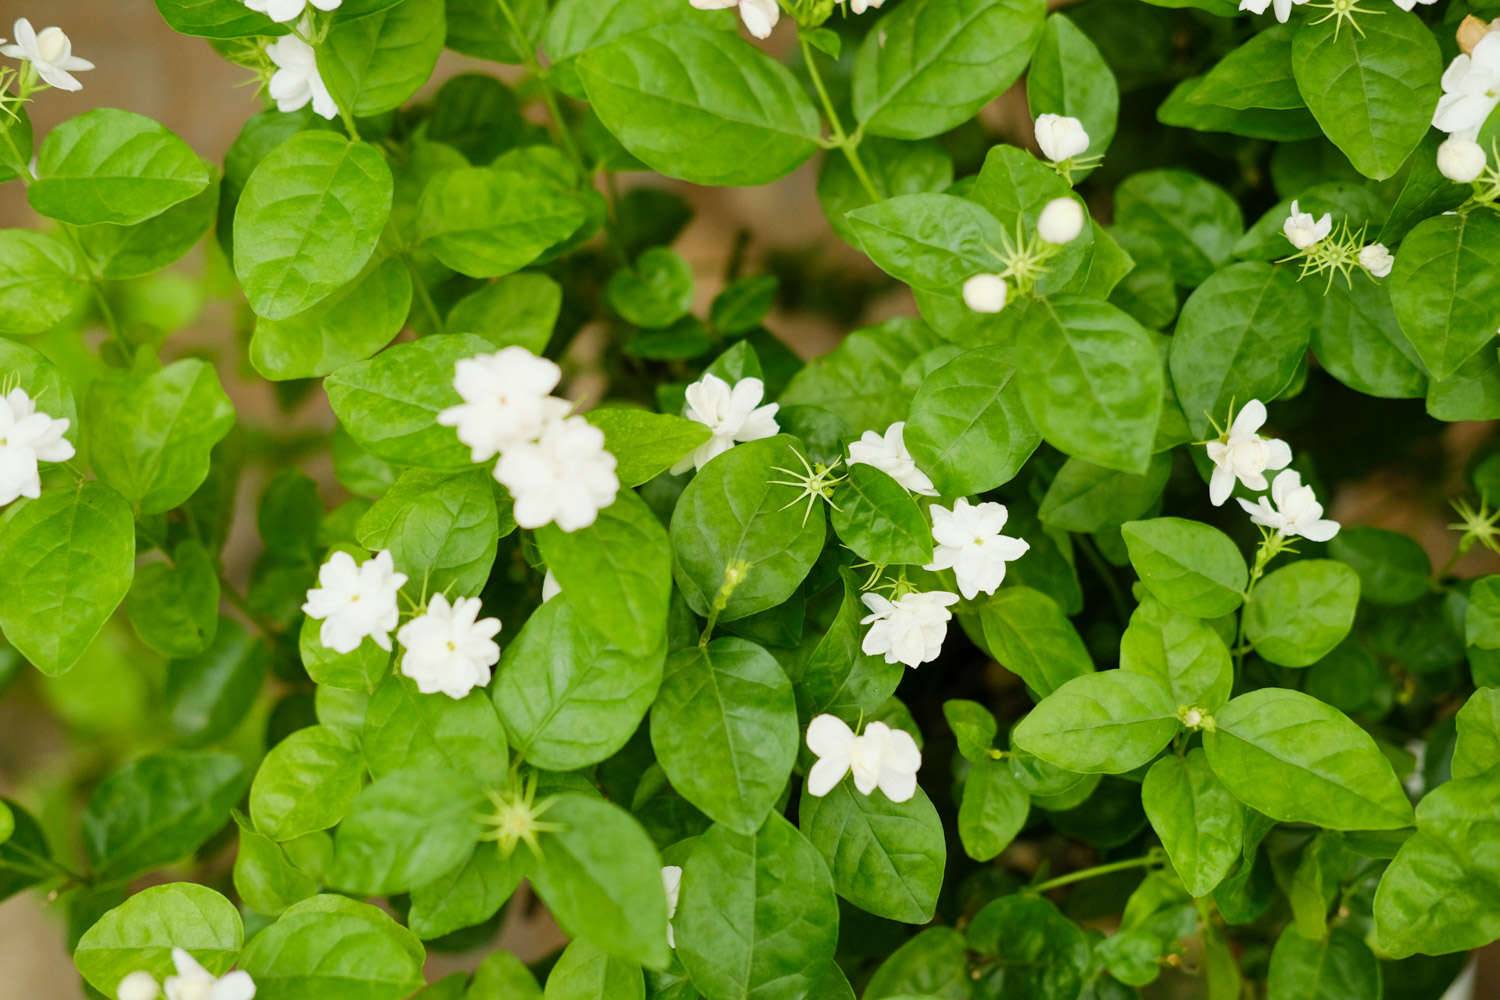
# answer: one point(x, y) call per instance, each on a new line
point(1060, 137)
point(985, 293)
point(1061, 221)
point(1376, 259)
point(1460, 159)
point(138, 986)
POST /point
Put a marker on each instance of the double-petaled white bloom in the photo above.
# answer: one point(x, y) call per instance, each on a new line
point(297, 82)
point(887, 452)
point(1471, 89)
point(566, 476)
point(760, 16)
point(1303, 230)
point(860, 6)
point(27, 437)
point(1244, 455)
point(1061, 221)
point(671, 882)
point(50, 53)
point(969, 542)
point(910, 629)
point(1411, 4)
point(1296, 510)
point(880, 757)
point(1061, 137)
point(733, 415)
point(449, 648)
point(192, 982)
point(986, 293)
point(282, 11)
point(1460, 159)
point(1376, 259)
point(139, 985)
point(507, 400)
point(1283, 7)
point(355, 601)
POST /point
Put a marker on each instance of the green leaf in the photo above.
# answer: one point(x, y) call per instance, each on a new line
point(1200, 823)
point(174, 607)
point(519, 309)
point(404, 728)
point(1477, 749)
point(1187, 565)
point(141, 933)
point(1084, 497)
point(1297, 614)
point(1015, 187)
point(895, 168)
point(159, 809)
point(1370, 89)
point(502, 976)
point(360, 670)
point(731, 517)
point(151, 436)
point(468, 895)
point(1030, 636)
point(1242, 335)
point(209, 695)
point(389, 404)
point(406, 829)
point(688, 101)
point(1297, 760)
point(974, 728)
point(645, 444)
point(1109, 722)
point(440, 528)
point(1040, 952)
point(1445, 288)
point(757, 915)
point(935, 963)
point(878, 520)
point(490, 221)
point(1361, 344)
point(333, 948)
point(567, 698)
point(601, 877)
point(886, 857)
point(968, 428)
point(374, 64)
point(839, 676)
point(577, 26)
point(933, 242)
point(113, 166)
point(24, 854)
point(860, 381)
point(1091, 379)
point(655, 292)
point(1181, 652)
point(584, 972)
point(1180, 110)
point(1069, 76)
point(725, 731)
point(348, 326)
point(1193, 225)
point(933, 63)
point(75, 548)
point(993, 810)
point(216, 19)
point(123, 252)
point(41, 282)
point(306, 783)
point(265, 879)
point(617, 572)
point(308, 221)
point(1393, 569)
point(1257, 74)
point(1340, 968)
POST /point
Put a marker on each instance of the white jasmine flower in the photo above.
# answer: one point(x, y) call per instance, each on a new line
point(1061, 221)
point(355, 601)
point(1244, 455)
point(297, 80)
point(1471, 89)
point(139, 985)
point(760, 16)
point(1410, 4)
point(985, 293)
point(1061, 137)
point(860, 6)
point(1305, 231)
point(734, 415)
point(282, 11)
point(908, 630)
point(449, 648)
point(566, 476)
point(27, 437)
point(888, 453)
point(671, 881)
point(194, 982)
point(50, 53)
point(1460, 159)
point(880, 757)
point(1376, 259)
point(550, 587)
point(506, 400)
point(1297, 511)
point(1283, 7)
point(969, 542)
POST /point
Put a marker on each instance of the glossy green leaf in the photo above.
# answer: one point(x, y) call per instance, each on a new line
point(1029, 635)
point(1187, 565)
point(1297, 614)
point(141, 933)
point(968, 428)
point(993, 810)
point(305, 783)
point(1200, 823)
point(1108, 722)
point(41, 281)
point(404, 728)
point(333, 948)
point(406, 829)
point(1445, 288)
point(645, 444)
point(374, 64)
point(348, 326)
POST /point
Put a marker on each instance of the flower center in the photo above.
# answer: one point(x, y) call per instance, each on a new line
point(51, 45)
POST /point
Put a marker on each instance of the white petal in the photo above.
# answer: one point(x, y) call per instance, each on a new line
point(825, 775)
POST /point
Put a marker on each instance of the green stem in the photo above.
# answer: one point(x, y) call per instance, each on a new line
point(232, 594)
point(1106, 574)
point(424, 297)
point(549, 98)
point(841, 139)
point(1270, 547)
point(1147, 860)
